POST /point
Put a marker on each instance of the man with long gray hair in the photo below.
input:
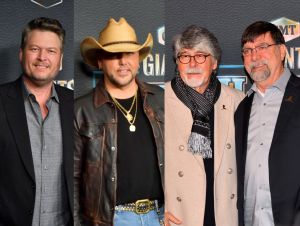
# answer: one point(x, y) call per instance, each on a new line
point(199, 129)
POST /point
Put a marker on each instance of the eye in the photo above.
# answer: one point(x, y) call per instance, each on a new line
point(34, 49)
point(52, 51)
point(262, 47)
point(199, 56)
point(246, 51)
point(184, 56)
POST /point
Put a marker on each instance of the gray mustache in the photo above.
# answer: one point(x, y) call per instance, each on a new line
point(255, 64)
point(193, 71)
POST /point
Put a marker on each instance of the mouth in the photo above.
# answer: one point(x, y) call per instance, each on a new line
point(258, 67)
point(194, 74)
point(41, 66)
point(123, 71)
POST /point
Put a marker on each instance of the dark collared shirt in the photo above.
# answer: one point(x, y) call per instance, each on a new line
point(50, 206)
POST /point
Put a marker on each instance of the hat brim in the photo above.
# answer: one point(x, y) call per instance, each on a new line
point(90, 49)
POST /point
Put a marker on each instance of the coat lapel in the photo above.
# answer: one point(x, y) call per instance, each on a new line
point(224, 110)
point(183, 126)
point(16, 116)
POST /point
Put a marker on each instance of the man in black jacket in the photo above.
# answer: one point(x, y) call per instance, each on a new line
point(36, 144)
point(267, 133)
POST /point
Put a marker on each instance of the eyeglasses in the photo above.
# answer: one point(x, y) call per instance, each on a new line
point(199, 58)
point(258, 49)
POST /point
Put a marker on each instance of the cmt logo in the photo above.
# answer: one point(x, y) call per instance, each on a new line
point(161, 35)
point(47, 3)
point(289, 28)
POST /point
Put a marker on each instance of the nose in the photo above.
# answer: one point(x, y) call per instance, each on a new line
point(122, 59)
point(254, 55)
point(192, 62)
point(42, 55)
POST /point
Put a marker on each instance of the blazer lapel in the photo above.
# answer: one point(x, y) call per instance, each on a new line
point(16, 115)
point(289, 102)
point(242, 127)
point(66, 101)
point(222, 116)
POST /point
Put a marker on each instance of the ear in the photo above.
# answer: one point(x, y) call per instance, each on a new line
point(61, 60)
point(215, 65)
point(21, 55)
point(282, 51)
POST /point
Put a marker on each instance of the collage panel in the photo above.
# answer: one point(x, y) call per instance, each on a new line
point(36, 113)
point(119, 113)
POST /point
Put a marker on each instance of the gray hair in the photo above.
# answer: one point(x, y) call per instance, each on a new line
point(199, 38)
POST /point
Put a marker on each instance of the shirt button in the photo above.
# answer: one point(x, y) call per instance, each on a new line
point(228, 146)
point(178, 199)
point(229, 171)
point(112, 179)
point(181, 147)
point(113, 120)
point(113, 148)
point(265, 104)
point(45, 167)
point(232, 196)
point(264, 124)
point(261, 143)
point(180, 173)
point(259, 165)
point(161, 164)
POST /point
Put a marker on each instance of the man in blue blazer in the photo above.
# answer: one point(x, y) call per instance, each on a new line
point(268, 133)
point(36, 134)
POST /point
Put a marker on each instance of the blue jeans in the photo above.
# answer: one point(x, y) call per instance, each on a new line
point(128, 218)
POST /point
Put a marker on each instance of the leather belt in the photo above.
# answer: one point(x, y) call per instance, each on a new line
point(142, 206)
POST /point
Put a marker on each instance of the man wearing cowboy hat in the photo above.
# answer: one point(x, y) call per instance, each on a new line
point(119, 135)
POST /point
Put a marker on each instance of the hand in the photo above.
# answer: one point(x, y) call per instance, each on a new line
point(169, 217)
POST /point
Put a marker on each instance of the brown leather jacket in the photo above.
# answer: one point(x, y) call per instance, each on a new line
point(95, 172)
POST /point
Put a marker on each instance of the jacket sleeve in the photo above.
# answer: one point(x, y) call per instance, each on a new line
point(78, 145)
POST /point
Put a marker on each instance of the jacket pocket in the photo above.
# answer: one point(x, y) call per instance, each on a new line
point(92, 169)
point(93, 137)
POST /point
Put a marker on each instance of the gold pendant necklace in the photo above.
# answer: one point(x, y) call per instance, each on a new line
point(129, 116)
point(132, 128)
point(127, 113)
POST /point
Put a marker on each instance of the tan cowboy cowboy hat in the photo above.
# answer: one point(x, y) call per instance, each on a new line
point(116, 37)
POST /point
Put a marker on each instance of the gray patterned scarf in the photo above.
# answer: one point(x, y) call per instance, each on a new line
point(200, 105)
